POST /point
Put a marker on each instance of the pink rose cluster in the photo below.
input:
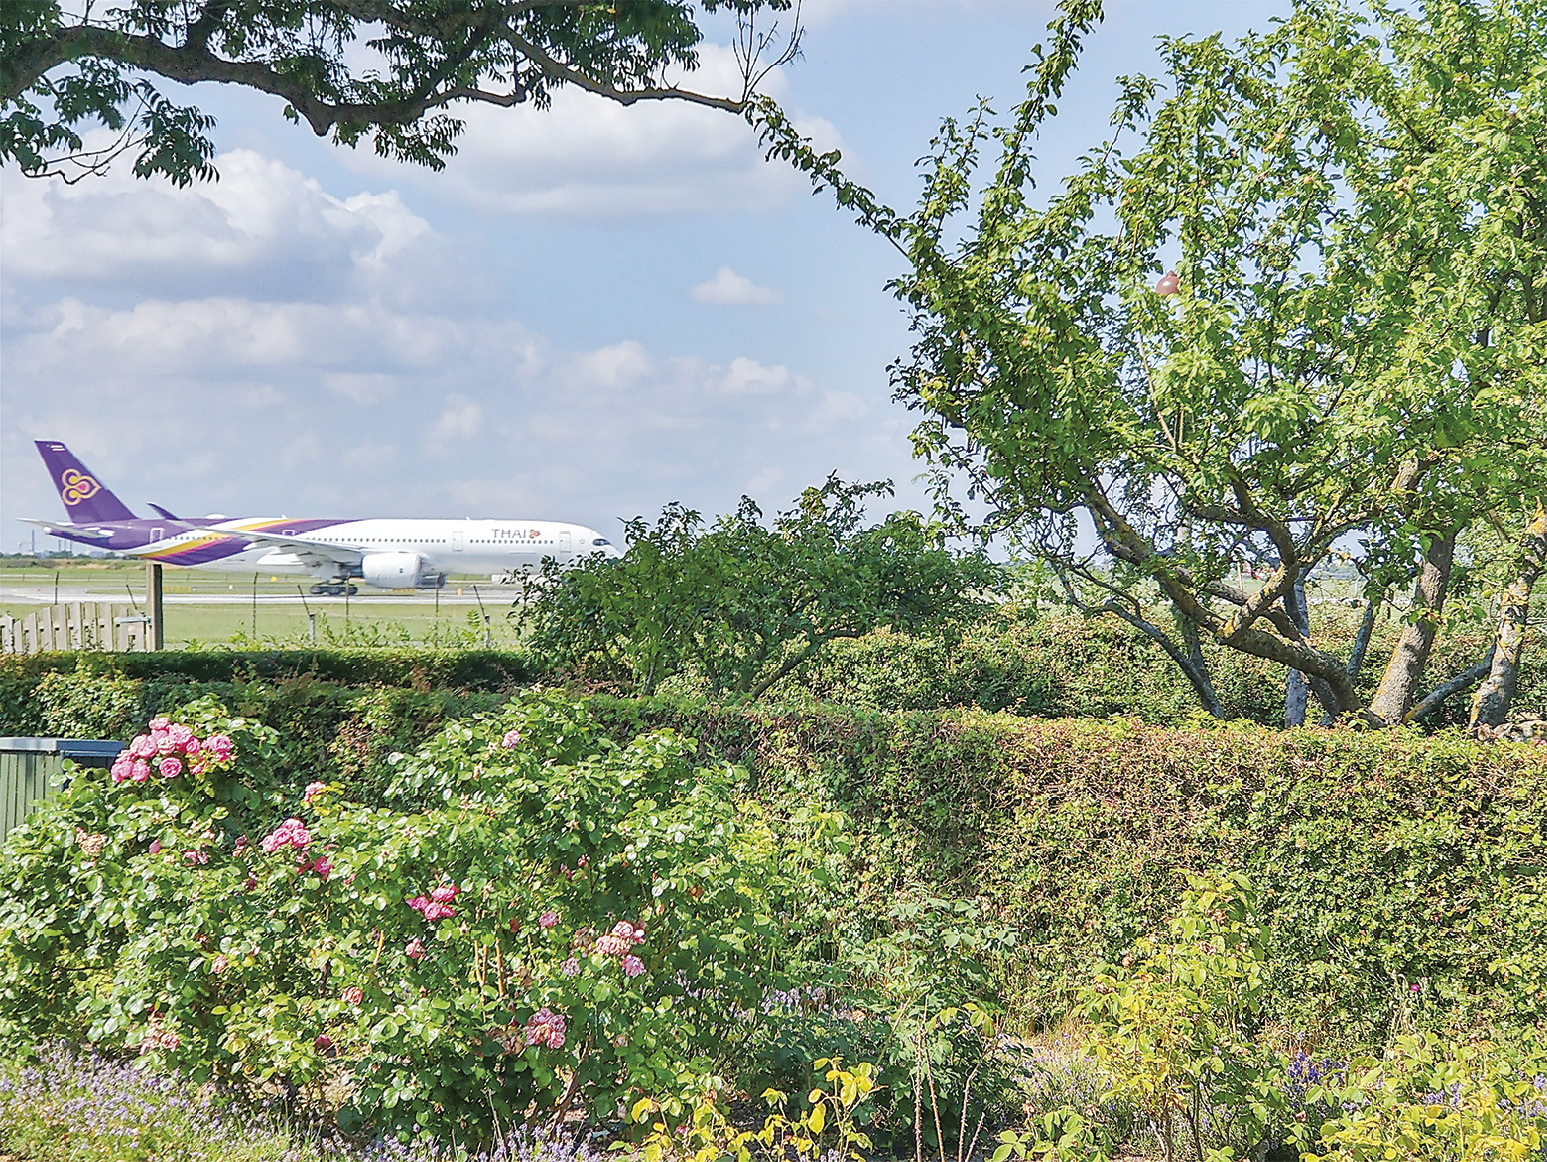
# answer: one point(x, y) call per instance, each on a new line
point(168, 750)
point(290, 833)
point(545, 1027)
point(620, 942)
point(437, 905)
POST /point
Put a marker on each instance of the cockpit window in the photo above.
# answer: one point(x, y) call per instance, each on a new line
point(601, 541)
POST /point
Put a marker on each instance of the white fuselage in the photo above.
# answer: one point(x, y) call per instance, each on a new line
point(391, 553)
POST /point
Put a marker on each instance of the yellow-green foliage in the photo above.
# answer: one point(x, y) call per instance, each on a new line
point(1385, 861)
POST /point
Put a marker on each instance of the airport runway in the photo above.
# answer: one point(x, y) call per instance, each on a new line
point(241, 595)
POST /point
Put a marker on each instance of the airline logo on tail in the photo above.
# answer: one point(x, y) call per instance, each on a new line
point(84, 497)
point(75, 487)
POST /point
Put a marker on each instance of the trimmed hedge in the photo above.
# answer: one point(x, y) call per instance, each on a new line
point(1388, 860)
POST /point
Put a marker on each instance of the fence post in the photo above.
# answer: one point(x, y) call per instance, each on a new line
point(155, 635)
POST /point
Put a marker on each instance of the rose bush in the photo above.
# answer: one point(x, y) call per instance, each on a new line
point(545, 918)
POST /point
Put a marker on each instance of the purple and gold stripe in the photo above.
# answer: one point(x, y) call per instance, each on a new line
point(214, 545)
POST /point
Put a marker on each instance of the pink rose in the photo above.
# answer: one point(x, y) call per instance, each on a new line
point(155, 847)
point(353, 995)
point(434, 911)
point(511, 740)
point(192, 746)
point(610, 945)
point(313, 791)
point(323, 1043)
point(419, 903)
point(140, 771)
point(546, 1027)
point(180, 736)
point(220, 746)
point(142, 747)
point(171, 767)
point(415, 949)
point(444, 894)
point(548, 920)
point(632, 965)
point(123, 767)
point(160, 723)
point(163, 741)
point(570, 967)
point(322, 867)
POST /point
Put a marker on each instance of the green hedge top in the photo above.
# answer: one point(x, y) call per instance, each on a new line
point(1402, 872)
point(413, 668)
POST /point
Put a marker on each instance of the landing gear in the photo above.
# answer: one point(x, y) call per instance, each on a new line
point(333, 589)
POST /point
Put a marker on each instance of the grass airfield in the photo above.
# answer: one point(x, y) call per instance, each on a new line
point(216, 608)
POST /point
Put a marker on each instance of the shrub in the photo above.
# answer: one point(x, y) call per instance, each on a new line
point(550, 919)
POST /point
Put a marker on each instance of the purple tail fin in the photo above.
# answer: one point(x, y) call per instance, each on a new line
point(85, 500)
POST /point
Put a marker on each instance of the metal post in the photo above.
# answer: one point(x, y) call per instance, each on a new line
point(156, 631)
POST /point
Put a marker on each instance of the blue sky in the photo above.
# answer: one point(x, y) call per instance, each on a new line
point(591, 312)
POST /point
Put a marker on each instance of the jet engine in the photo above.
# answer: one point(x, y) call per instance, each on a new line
point(399, 571)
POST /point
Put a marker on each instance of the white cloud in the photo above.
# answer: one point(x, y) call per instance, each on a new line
point(261, 217)
point(587, 155)
point(614, 367)
point(729, 289)
point(458, 422)
point(363, 389)
point(749, 377)
point(245, 406)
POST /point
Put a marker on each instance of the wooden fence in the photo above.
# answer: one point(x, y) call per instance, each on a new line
point(33, 768)
point(81, 625)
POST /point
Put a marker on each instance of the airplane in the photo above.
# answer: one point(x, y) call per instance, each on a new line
point(383, 553)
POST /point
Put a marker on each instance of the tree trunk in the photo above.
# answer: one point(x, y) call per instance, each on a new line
point(1490, 705)
point(1194, 666)
point(1297, 691)
point(1411, 654)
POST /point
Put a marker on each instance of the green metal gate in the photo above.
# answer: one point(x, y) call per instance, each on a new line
point(33, 768)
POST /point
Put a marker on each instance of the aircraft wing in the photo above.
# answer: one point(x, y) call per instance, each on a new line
point(75, 530)
point(309, 551)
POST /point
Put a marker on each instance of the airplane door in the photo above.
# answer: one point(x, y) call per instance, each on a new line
point(564, 542)
point(458, 540)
